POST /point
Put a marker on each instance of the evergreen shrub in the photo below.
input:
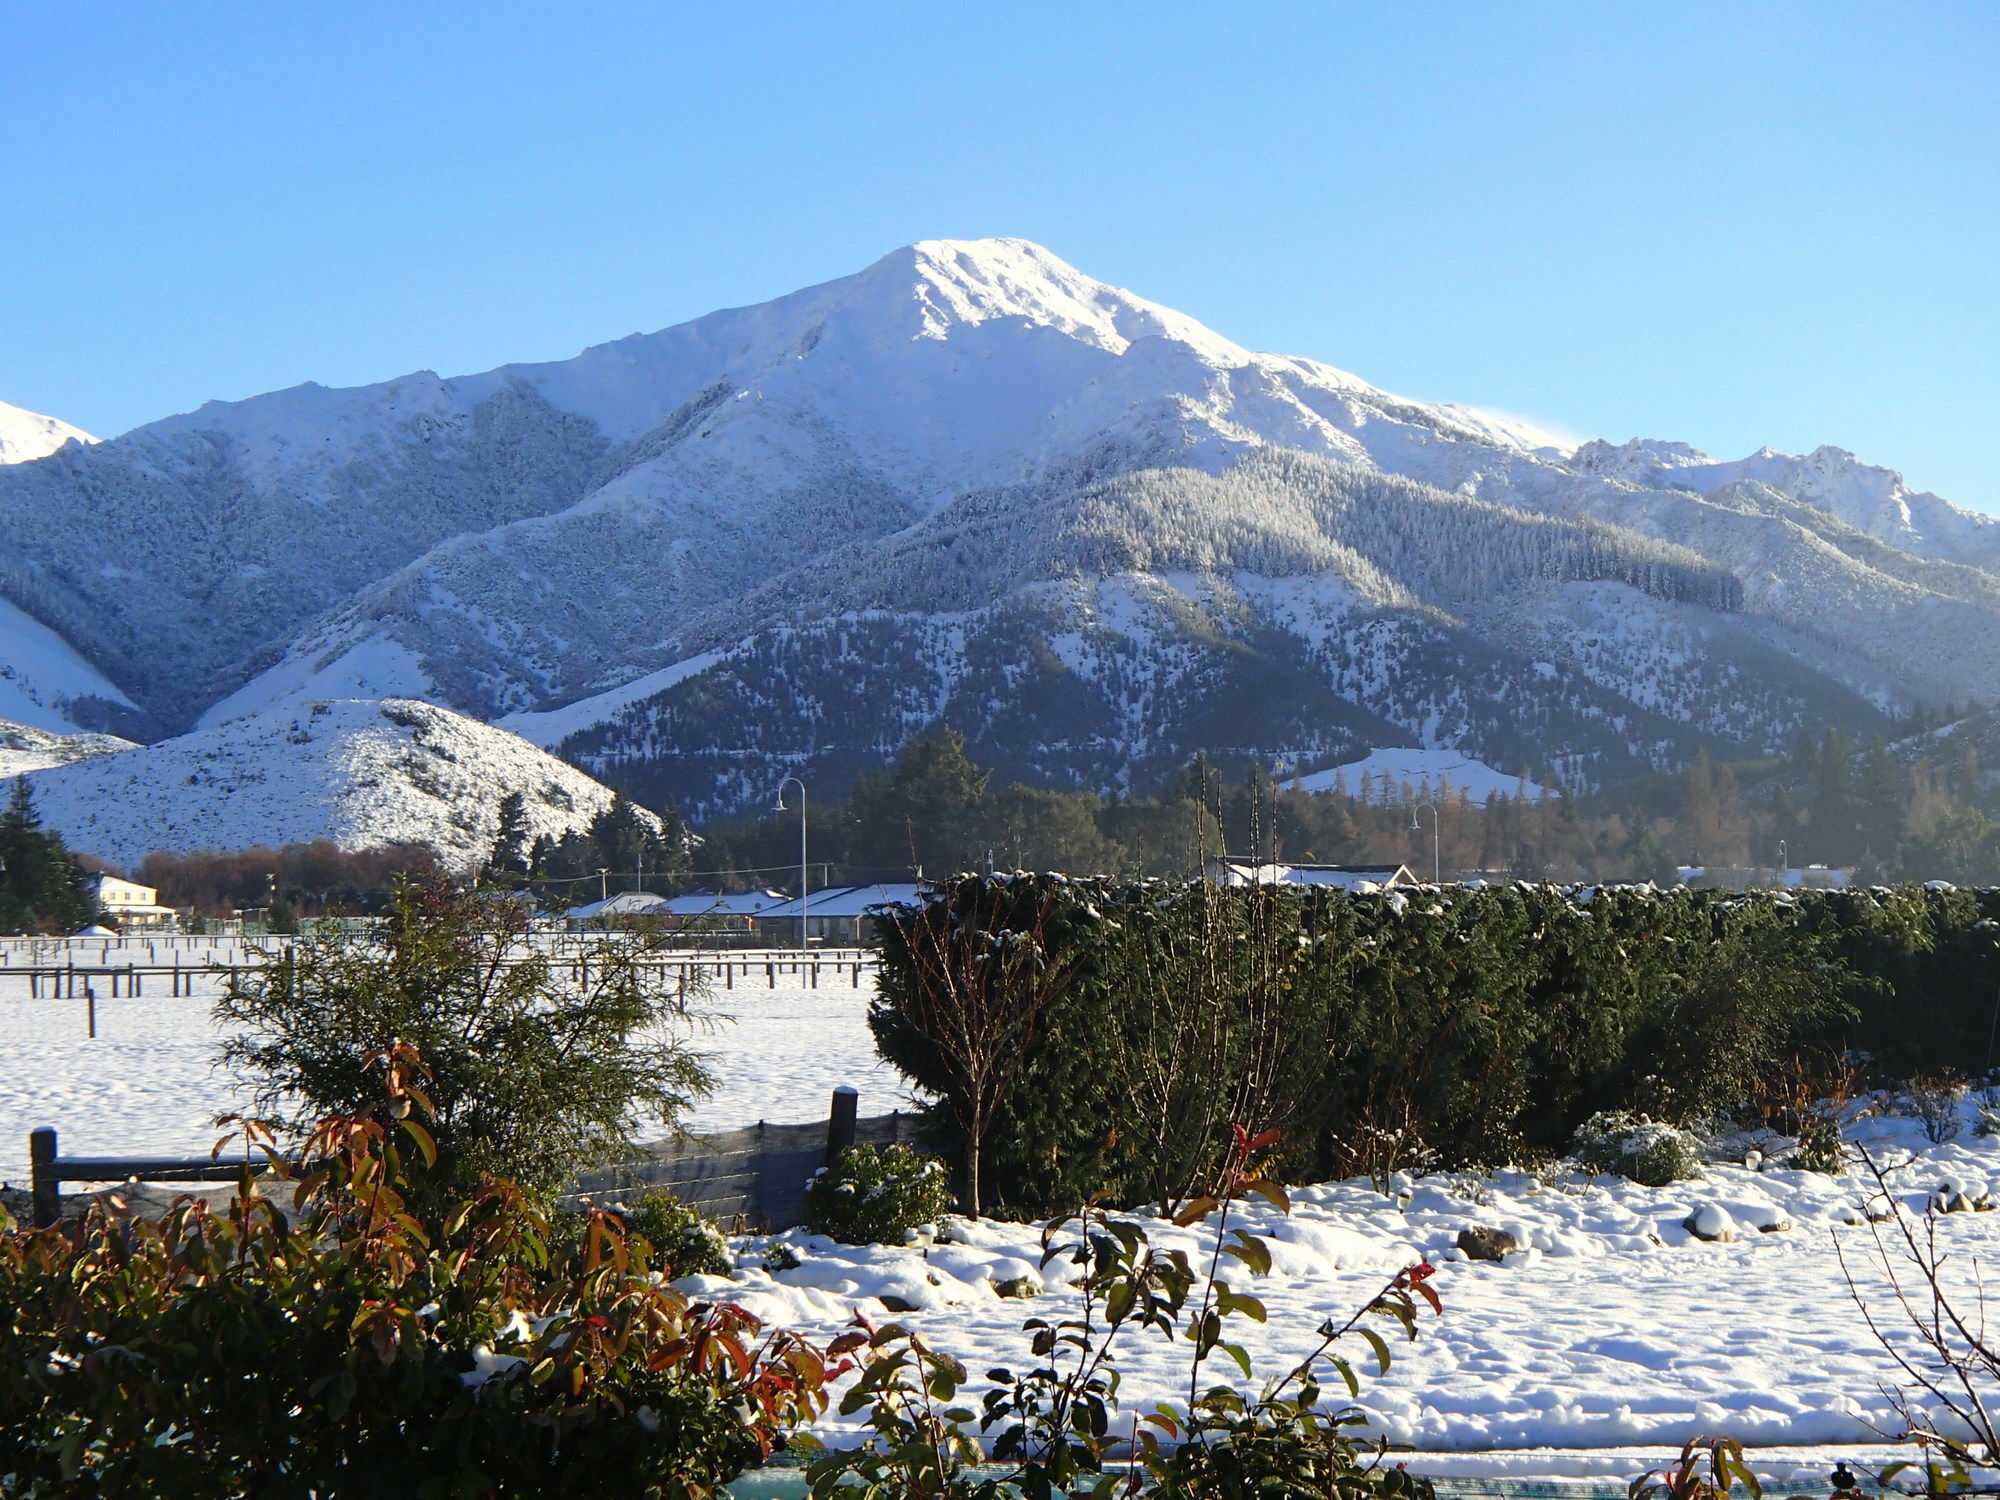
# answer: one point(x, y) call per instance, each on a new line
point(225, 1353)
point(1482, 1026)
point(1638, 1149)
point(683, 1241)
point(872, 1196)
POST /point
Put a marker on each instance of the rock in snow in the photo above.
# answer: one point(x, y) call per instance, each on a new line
point(358, 773)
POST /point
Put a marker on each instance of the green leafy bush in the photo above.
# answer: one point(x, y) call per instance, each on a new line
point(685, 1242)
point(539, 1068)
point(229, 1353)
point(1467, 1027)
point(876, 1196)
point(1634, 1147)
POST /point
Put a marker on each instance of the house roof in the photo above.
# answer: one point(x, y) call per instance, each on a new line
point(624, 904)
point(846, 901)
point(720, 903)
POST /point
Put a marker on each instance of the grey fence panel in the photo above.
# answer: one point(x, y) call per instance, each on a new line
point(752, 1179)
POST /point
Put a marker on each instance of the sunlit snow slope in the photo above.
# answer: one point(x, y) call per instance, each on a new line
point(26, 434)
point(972, 484)
point(361, 774)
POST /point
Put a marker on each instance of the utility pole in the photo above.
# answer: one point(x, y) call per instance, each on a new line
point(603, 884)
point(805, 873)
point(1437, 870)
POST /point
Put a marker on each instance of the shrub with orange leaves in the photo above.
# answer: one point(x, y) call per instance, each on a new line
point(349, 1350)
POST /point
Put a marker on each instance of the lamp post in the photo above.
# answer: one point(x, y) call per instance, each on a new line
point(779, 806)
point(1437, 864)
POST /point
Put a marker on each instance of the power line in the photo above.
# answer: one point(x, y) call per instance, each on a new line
point(703, 874)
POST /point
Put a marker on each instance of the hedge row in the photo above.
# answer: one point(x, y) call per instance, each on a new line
point(1086, 1035)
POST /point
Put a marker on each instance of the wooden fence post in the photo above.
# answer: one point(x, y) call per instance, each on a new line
point(840, 1123)
point(46, 1189)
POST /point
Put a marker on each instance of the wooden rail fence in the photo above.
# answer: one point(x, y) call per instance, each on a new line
point(751, 1180)
point(70, 979)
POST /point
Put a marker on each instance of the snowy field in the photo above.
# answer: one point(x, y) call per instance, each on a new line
point(1614, 1328)
point(147, 1084)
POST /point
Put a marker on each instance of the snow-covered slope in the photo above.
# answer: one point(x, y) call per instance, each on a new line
point(970, 481)
point(23, 748)
point(45, 682)
point(26, 434)
point(1399, 775)
point(360, 774)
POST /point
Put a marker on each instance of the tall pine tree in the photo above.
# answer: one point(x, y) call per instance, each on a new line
point(42, 887)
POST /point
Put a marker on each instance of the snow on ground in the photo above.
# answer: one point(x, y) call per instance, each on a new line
point(778, 1055)
point(1614, 1327)
point(147, 1083)
point(1418, 773)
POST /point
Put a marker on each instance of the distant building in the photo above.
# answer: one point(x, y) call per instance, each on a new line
point(133, 907)
point(1226, 871)
point(615, 911)
point(838, 914)
point(719, 911)
point(1764, 878)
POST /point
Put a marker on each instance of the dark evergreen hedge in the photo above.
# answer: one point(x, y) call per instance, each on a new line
point(1478, 1025)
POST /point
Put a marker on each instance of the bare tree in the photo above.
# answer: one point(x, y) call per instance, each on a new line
point(976, 987)
point(1933, 1327)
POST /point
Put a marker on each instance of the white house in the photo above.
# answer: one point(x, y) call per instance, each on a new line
point(131, 906)
point(1764, 878)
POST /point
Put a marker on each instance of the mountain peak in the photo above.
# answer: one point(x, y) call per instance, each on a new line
point(26, 435)
point(960, 282)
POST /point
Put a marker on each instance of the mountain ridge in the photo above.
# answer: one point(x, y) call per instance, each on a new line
point(972, 438)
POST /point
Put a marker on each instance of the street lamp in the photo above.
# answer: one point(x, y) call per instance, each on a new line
point(1437, 866)
point(779, 806)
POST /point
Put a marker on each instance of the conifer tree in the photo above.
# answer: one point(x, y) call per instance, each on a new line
point(509, 858)
point(42, 887)
point(927, 810)
point(1881, 796)
point(1834, 834)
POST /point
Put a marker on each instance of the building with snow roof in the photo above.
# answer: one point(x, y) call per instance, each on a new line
point(612, 911)
point(838, 914)
point(718, 911)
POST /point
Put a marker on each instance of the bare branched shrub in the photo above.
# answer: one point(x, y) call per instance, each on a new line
point(1934, 1099)
point(1934, 1327)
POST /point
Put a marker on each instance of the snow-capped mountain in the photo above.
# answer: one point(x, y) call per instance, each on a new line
point(970, 483)
point(26, 434)
point(358, 774)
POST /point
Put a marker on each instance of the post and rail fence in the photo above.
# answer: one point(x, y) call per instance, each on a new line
point(726, 969)
point(751, 1180)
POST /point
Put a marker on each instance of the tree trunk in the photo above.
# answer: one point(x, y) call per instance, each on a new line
point(972, 1174)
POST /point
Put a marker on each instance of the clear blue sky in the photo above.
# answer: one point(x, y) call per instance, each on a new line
point(1733, 224)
